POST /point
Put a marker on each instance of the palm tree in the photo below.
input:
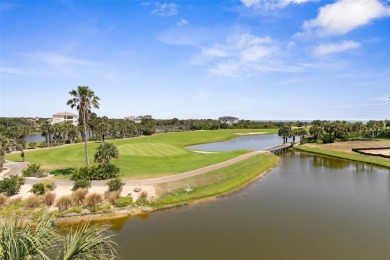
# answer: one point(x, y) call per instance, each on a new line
point(105, 152)
point(84, 99)
point(21, 239)
point(285, 132)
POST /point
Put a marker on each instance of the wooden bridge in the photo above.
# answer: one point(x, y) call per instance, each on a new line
point(279, 148)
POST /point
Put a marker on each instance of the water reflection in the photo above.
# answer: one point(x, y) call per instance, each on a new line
point(308, 207)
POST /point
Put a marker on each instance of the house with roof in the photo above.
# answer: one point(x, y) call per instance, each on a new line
point(228, 120)
point(64, 117)
point(138, 119)
point(130, 118)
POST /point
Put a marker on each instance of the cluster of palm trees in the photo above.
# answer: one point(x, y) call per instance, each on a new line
point(59, 133)
point(342, 130)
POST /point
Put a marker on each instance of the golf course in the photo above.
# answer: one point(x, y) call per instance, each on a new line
point(142, 157)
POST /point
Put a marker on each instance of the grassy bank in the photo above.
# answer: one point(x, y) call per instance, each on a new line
point(216, 182)
point(144, 157)
point(319, 149)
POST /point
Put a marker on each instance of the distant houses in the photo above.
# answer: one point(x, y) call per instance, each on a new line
point(137, 119)
point(64, 117)
point(228, 120)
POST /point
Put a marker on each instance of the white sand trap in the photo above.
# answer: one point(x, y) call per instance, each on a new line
point(251, 133)
point(203, 151)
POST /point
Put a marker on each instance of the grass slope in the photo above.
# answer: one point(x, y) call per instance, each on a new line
point(143, 157)
point(343, 155)
point(216, 182)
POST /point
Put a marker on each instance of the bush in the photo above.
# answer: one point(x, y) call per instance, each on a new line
point(81, 184)
point(33, 201)
point(78, 196)
point(113, 196)
point(33, 170)
point(11, 186)
point(49, 198)
point(115, 185)
point(64, 202)
point(32, 145)
point(43, 144)
point(96, 172)
point(123, 202)
point(77, 140)
point(142, 199)
point(327, 138)
point(93, 200)
point(15, 200)
point(3, 200)
point(41, 187)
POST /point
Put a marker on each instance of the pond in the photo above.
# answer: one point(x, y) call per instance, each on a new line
point(308, 207)
point(252, 142)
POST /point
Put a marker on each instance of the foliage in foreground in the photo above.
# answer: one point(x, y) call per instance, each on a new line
point(115, 184)
point(41, 187)
point(20, 239)
point(11, 186)
point(33, 170)
point(96, 172)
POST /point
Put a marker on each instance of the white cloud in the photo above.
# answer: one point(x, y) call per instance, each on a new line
point(327, 48)
point(272, 4)
point(165, 9)
point(343, 16)
point(182, 22)
point(239, 52)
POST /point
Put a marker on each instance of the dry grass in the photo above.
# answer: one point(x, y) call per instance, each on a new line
point(49, 198)
point(93, 199)
point(113, 196)
point(14, 200)
point(64, 202)
point(33, 201)
point(79, 195)
point(3, 199)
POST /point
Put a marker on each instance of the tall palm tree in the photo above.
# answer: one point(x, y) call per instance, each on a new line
point(84, 99)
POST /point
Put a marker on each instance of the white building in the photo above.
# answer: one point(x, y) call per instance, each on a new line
point(64, 117)
point(228, 120)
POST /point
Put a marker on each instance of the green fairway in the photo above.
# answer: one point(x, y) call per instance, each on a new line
point(142, 157)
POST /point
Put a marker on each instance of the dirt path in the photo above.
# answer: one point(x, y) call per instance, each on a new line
point(63, 186)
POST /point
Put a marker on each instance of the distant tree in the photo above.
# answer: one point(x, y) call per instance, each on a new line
point(315, 132)
point(84, 99)
point(105, 152)
point(285, 132)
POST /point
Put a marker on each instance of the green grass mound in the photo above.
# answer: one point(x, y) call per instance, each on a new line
point(151, 149)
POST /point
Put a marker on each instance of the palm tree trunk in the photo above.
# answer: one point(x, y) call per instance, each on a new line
point(85, 138)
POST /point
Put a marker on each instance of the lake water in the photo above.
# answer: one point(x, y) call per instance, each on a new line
point(308, 207)
point(252, 142)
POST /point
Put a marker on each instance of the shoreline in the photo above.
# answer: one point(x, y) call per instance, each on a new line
point(142, 210)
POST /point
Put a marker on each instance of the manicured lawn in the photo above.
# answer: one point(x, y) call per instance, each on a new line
point(143, 157)
point(319, 149)
point(216, 182)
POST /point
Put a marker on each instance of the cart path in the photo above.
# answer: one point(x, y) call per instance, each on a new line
point(16, 168)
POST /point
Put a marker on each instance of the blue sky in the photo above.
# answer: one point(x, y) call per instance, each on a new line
point(253, 59)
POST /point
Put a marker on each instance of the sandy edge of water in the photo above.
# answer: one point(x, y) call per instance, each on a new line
point(118, 214)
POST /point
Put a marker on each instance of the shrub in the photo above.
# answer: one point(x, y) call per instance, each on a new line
point(143, 198)
point(78, 196)
point(33, 201)
point(93, 200)
point(77, 140)
point(327, 138)
point(32, 145)
point(115, 185)
point(113, 196)
point(123, 202)
point(11, 186)
point(3, 200)
point(81, 173)
point(81, 184)
point(96, 172)
point(43, 144)
point(49, 198)
point(34, 170)
point(64, 202)
point(41, 187)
